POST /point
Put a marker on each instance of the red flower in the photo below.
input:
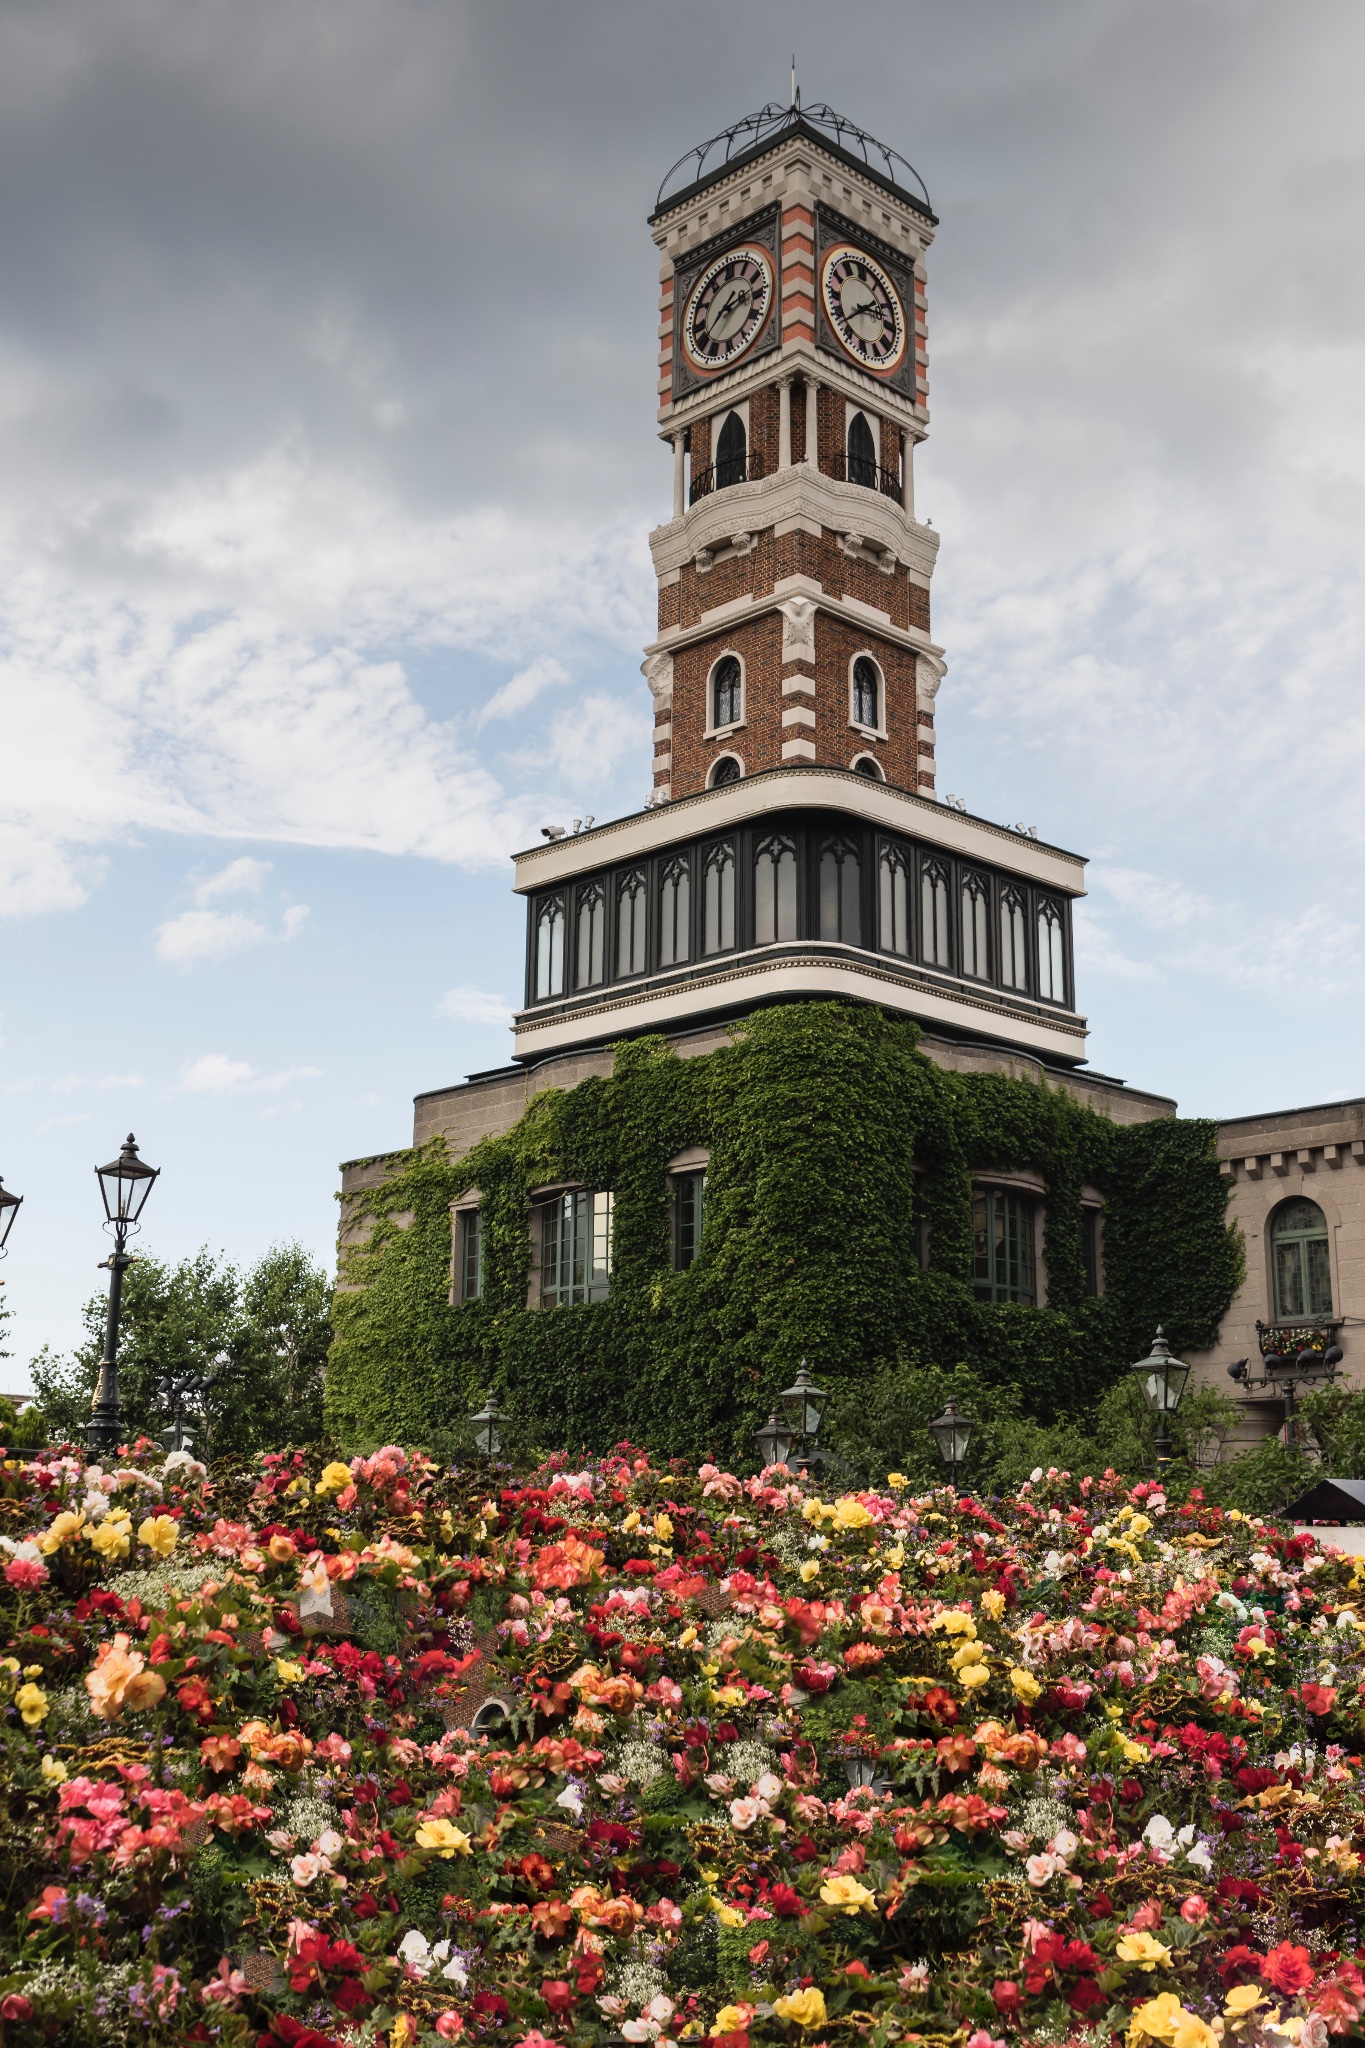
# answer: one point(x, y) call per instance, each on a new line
point(1288, 1968)
point(350, 1996)
point(15, 2007)
point(1007, 1996)
point(1085, 1995)
point(1239, 1964)
point(491, 2004)
point(558, 1996)
point(287, 2033)
point(784, 1902)
point(1318, 1699)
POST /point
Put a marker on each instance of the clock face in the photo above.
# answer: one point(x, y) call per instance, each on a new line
point(864, 309)
point(729, 305)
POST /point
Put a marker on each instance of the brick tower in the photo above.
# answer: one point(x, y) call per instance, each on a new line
point(793, 575)
point(792, 846)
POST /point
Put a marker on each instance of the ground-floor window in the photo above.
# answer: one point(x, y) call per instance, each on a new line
point(575, 1249)
point(1002, 1246)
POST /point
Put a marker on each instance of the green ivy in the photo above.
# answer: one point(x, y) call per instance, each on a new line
point(832, 1139)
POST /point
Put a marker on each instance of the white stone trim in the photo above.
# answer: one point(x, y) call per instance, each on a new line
point(824, 788)
point(692, 1159)
point(872, 732)
point(797, 750)
point(880, 775)
point(728, 755)
point(798, 686)
point(759, 979)
point(798, 714)
point(741, 610)
point(800, 493)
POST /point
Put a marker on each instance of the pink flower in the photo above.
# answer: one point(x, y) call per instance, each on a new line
point(25, 1571)
point(744, 1812)
point(229, 1985)
point(1194, 1910)
point(304, 1869)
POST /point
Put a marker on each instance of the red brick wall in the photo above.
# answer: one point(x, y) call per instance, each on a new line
point(890, 456)
point(699, 440)
point(764, 427)
point(833, 438)
point(758, 743)
point(798, 422)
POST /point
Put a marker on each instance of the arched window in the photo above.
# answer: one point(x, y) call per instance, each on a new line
point(718, 901)
point(1299, 1261)
point(726, 692)
point(933, 890)
point(1051, 954)
point(1013, 941)
point(894, 901)
point(550, 948)
point(675, 898)
point(976, 952)
point(732, 447)
point(727, 769)
point(630, 924)
point(862, 453)
point(840, 892)
point(592, 935)
point(872, 769)
point(867, 692)
point(774, 892)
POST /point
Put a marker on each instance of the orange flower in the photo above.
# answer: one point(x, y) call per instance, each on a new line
point(121, 1679)
point(551, 1919)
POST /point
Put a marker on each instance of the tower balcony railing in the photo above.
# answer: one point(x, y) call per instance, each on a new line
point(853, 469)
point(718, 476)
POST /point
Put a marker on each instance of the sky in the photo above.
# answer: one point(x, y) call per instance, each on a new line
point(327, 464)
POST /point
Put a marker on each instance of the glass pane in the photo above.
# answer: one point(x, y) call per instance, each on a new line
point(674, 943)
point(471, 1280)
point(865, 692)
point(718, 903)
point(975, 945)
point(550, 950)
point(592, 932)
point(1319, 1289)
point(630, 926)
point(895, 935)
point(1051, 976)
point(1289, 1280)
point(934, 911)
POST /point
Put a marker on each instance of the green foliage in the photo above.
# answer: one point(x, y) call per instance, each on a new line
point(261, 1335)
point(834, 1144)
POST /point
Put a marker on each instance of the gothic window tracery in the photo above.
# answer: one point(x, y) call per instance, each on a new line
point(894, 901)
point(592, 935)
point(774, 892)
point(718, 900)
point(1051, 954)
point(1013, 940)
point(631, 921)
point(976, 954)
point(550, 948)
point(935, 938)
point(840, 892)
point(675, 889)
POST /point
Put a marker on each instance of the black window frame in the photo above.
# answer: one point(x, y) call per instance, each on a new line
point(720, 679)
point(469, 1254)
point(577, 1207)
point(689, 1217)
point(1017, 1209)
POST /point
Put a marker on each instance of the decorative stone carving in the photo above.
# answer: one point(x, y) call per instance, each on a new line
point(798, 629)
point(703, 559)
point(657, 671)
point(929, 673)
point(886, 561)
point(743, 543)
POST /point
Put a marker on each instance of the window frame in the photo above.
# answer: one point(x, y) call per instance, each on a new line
point(1301, 1239)
point(664, 868)
point(546, 900)
point(891, 852)
point(971, 880)
point(712, 730)
point(990, 1287)
point(622, 879)
point(688, 1186)
point(828, 844)
point(710, 849)
point(1047, 908)
point(856, 724)
point(947, 868)
point(589, 1213)
point(590, 886)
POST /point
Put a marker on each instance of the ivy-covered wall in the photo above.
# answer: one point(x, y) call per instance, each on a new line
point(831, 1138)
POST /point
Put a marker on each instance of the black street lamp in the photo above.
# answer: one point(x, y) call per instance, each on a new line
point(1285, 1372)
point(124, 1185)
point(804, 1405)
point(774, 1441)
point(9, 1209)
point(488, 1424)
point(1162, 1379)
point(953, 1434)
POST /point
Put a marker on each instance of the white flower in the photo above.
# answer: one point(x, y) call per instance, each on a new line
point(571, 1799)
point(1200, 1856)
point(1039, 1869)
point(768, 1787)
point(281, 1840)
point(186, 1462)
point(415, 1950)
point(744, 1812)
point(329, 1843)
point(1064, 1843)
point(304, 1869)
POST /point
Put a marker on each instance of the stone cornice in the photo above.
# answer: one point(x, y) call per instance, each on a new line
point(741, 609)
point(800, 492)
point(798, 785)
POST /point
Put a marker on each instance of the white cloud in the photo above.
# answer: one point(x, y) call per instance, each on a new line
point(243, 877)
point(523, 689)
point(214, 1073)
point(207, 935)
point(473, 1006)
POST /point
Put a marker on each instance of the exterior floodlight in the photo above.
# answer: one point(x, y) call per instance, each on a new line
point(774, 1441)
point(488, 1424)
point(804, 1405)
point(952, 1433)
point(9, 1209)
point(1162, 1377)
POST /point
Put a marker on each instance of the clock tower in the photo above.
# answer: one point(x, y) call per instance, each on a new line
point(793, 576)
point(792, 846)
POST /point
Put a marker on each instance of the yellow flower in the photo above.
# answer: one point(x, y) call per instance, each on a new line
point(973, 1675)
point(1164, 2018)
point(687, 1638)
point(732, 2019)
point(966, 1653)
point(895, 1557)
point(809, 1570)
point(631, 1523)
point(1144, 1950)
point(64, 1527)
point(663, 1528)
point(335, 1477)
point(1243, 1998)
point(1139, 1526)
point(160, 1534)
point(851, 1514)
point(954, 1623)
point(1134, 1752)
point(1024, 1685)
point(897, 1481)
point(728, 1916)
point(110, 1539)
point(848, 1895)
point(444, 1837)
point(31, 1701)
point(806, 2008)
point(815, 1511)
point(54, 1770)
point(288, 1673)
point(1258, 1646)
point(993, 1604)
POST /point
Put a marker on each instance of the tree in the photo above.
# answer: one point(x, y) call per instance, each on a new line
point(258, 1338)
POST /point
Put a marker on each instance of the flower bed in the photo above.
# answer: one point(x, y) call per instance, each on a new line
point(312, 1755)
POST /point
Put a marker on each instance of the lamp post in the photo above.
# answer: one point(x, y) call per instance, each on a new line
point(124, 1185)
point(1162, 1379)
point(952, 1433)
point(1286, 1371)
point(803, 1404)
point(488, 1424)
point(10, 1206)
point(774, 1441)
